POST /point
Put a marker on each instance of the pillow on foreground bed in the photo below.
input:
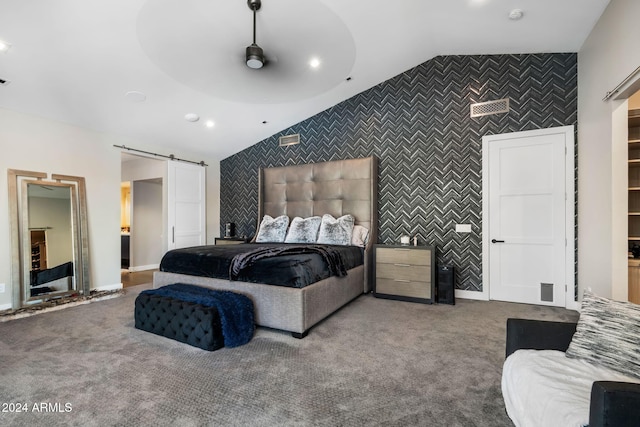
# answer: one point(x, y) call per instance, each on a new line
point(336, 231)
point(303, 230)
point(273, 230)
point(607, 334)
point(360, 236)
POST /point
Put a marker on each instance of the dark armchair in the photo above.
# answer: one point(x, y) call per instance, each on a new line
point(613, 404)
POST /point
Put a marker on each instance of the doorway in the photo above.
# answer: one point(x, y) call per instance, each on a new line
point(528, 216)
point(143, 214)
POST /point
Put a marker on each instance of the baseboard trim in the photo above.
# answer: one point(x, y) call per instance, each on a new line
point(573, 305)
point(6, 307)
point(144, 267)
point(481, 296)
point(108, 287)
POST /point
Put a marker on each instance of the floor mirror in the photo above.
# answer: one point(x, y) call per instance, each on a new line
point(49, 238)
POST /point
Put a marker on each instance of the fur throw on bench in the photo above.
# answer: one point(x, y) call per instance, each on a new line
point(235, 310)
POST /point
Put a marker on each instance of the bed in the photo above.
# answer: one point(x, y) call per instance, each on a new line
point(336, 188)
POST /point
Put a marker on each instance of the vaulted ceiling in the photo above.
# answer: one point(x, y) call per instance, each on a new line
point(136, 68)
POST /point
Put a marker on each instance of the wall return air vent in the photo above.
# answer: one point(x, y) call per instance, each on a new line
point(488, 108)
point(289, 140)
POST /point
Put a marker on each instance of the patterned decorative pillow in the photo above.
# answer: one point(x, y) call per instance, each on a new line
point(273, 229)
point(360, 236)
point(608, 334)
point(336, 231)
point(303, 230)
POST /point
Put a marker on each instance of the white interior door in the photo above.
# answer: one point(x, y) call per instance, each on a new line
point(527, 216)
point(186, 200)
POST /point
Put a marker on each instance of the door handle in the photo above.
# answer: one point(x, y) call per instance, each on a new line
point(497, 241)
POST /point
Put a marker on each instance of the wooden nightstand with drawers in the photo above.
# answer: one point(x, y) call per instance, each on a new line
point(405, 273)
point(230, 240)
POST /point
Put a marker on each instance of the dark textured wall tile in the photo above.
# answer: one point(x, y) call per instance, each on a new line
point(418, 125)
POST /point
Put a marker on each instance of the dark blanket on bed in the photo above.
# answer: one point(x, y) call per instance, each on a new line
point(285, 269)
point(235, 310)
point(329, 254)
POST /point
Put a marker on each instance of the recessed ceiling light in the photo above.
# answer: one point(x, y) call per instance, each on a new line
point(210, 123)
point(4, 46)
point(516, 14)
point(135, 96)
point(314, 63)
point(191, 117)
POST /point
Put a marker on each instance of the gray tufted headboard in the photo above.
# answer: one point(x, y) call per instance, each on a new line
point(338, 188)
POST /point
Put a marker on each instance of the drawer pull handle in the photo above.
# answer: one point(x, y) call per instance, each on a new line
point(402, 265)
point(401, 249)
point(402, 280)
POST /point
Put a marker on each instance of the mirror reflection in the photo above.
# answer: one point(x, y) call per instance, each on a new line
point(49, 237)
point(50, 257)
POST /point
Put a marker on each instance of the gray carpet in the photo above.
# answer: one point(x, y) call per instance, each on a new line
point(375, 362)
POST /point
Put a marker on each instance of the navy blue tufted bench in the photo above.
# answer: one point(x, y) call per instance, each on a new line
point(204, 318)
point(183, 321)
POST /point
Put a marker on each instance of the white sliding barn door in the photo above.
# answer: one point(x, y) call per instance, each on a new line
point(186, 200)
point(528, 216)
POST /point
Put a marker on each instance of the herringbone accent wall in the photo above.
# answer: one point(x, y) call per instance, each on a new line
point(418, 124)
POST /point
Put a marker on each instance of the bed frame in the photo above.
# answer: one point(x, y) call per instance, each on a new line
point(337, 188)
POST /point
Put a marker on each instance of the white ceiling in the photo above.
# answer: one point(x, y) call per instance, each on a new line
point(75, 60)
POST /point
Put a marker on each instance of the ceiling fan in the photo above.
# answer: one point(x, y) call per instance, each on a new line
point(254, 56)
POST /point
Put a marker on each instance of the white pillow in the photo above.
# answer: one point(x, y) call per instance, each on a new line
point(360, 236)
point(336, 231)
point(303, 230)
point(607, 334)
point(273, 229)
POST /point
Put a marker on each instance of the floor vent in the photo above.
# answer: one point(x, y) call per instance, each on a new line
point(488, 108)
point(289, 140)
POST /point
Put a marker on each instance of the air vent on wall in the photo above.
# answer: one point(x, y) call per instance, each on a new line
point(289, 140)
point(4, 82)
point(488, 108)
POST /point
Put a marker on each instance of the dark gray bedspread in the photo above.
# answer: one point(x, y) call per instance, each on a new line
point(295, 270)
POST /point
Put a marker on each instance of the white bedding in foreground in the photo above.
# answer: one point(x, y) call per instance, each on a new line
point(546, 388)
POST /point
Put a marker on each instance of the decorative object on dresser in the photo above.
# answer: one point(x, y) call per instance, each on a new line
point(230, 240)
point(229, 229)
point(405, 273)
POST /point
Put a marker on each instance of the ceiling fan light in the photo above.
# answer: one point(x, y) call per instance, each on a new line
point(255, 57)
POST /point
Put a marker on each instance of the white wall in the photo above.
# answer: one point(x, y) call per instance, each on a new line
point(37, 144)
point(55, 214)
point(146, 226)
point(143, 168)
point(609, 54)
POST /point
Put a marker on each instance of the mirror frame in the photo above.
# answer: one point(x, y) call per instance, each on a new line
point(80, 232)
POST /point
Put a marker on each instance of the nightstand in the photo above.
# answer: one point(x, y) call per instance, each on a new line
point(405, 273)
point(230, 240)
